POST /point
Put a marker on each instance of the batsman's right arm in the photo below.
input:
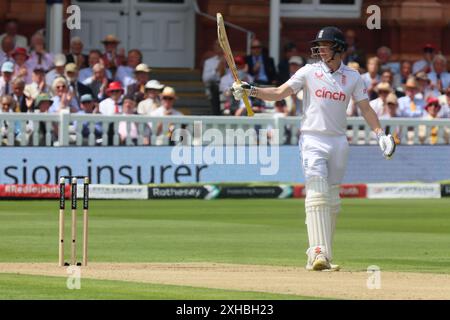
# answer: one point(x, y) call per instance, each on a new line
point(268, 94)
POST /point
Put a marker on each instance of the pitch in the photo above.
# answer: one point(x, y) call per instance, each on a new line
point(227, 249)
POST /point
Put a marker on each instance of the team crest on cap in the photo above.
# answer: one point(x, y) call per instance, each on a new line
point(320, 34)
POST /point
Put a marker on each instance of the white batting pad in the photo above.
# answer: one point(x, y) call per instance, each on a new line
point(318, 219)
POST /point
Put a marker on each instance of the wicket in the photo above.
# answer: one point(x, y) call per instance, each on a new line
point(62, 199)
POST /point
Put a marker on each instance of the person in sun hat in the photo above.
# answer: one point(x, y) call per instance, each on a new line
point(152, 101)
point(430, 135)
point(412, 104)
point(141, 77)
point(112, 57)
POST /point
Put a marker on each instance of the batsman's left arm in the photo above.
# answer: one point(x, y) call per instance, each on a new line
point(370, 116)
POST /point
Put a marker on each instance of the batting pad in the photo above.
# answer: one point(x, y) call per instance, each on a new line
point(318, 217)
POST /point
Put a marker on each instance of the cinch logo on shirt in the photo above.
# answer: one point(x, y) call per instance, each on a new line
point(327, 94)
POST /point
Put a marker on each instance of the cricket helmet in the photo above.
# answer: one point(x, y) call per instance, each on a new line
point(332, 34)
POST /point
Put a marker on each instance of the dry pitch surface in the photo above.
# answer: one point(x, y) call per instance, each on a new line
point(272, 279)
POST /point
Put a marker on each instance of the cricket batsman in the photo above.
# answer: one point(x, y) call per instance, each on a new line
point(327, 87)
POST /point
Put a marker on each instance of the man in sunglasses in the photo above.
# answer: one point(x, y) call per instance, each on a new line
point(261, 66)
point(328, 87)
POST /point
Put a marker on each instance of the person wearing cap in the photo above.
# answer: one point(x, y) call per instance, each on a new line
point(226, 81)
point(431, 135)
point(295, 101)
point(289, 50)
point(125, 74)
point(141, 77)
point(77, 88)
point(426, 88)
point(76, 53)
point(89, 106)
point(112, 58)
point(426, 63)
point(390, 112)
point(324, 149)
point(379, 105)
point(21, 66)
point(6, 78)
point(6, 49)
point(59, 61)
point(152, 99)
point(412, 104)
point(42, 104)
point(63, 98)
point(38, 55)
point(440, 78)
point(98, 82)
point(113, 104)
point(94, 57)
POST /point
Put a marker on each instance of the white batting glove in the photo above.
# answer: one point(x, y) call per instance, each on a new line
point(238, 89)
point(387, 144)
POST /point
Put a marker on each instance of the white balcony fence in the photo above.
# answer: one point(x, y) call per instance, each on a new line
point(65, 129)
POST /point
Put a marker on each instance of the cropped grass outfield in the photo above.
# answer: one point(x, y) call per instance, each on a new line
point(396, 235)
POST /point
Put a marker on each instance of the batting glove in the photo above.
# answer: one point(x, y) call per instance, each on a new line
point(387, 144)
point(238, 90)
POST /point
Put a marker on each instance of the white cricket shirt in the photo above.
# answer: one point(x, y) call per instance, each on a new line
point(326, 96)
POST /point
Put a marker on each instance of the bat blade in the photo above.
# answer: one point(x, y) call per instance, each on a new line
point(225, 45)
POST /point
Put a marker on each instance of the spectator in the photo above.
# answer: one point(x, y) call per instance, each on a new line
point(384, 54)
point(352, 108)
point(294, 102)
point(76, 53)
point(93, 58)
point(18, 86)
point(213, 70)
point(379, 105)
point(59, 61)
point(400, 79)
point(353, 54)
point(112, 105)
point(129, 108)
point(98, 82)
point(89, 106)
point(11, 29)
point(392, 112)
point(411, 105)
point(63, 98)
point(440, 78)
point(6, 78)
point(8, 106)
point(425, 64)
point(7, 48)
point(125, 74)
point(290, 50)
point(37, 84)
point(227, 81)
point(21, 67)
point(371, 77)
point(280, 111)
point(151, 102)
point(444, 101)
point(261, 66)
point(112, 58)
point(168, 98)
point(432, 136)
point(388, 76)
point(42, 105)
point(38, 56)
point(257, 105)
point(137, 88)
point(76, 87)
point(425, 88)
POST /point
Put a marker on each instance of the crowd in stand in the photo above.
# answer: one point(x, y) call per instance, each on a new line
point(111, 81)
point(409, 89)
point(102, 82)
